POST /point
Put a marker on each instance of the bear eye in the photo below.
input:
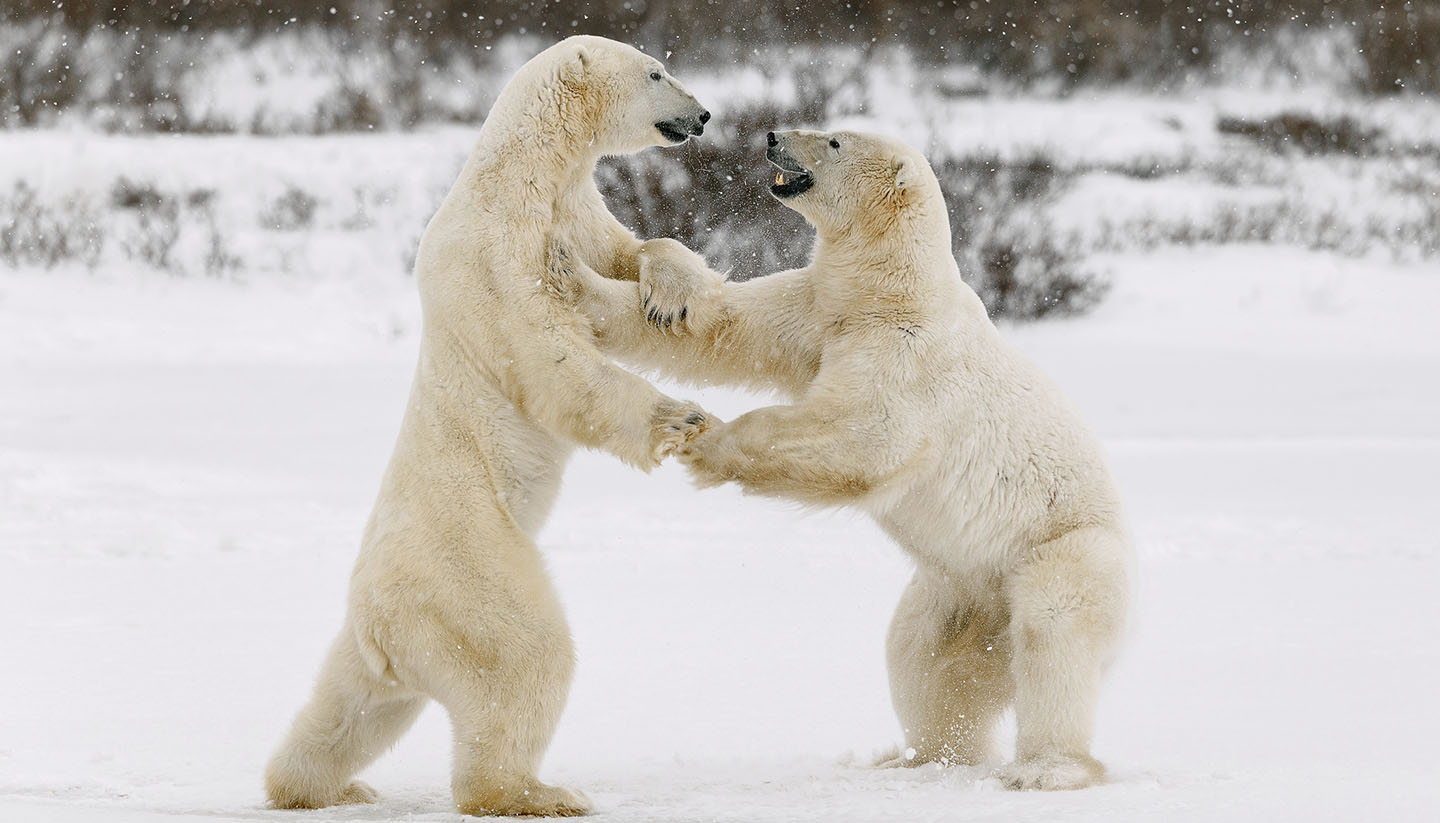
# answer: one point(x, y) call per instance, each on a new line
point(834, 144)
point(654, 75)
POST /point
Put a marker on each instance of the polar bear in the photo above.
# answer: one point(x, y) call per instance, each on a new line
point(909, 405)
point(450, 598)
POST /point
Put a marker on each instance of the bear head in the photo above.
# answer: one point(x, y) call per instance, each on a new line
point(629, 99)
point(845, 181)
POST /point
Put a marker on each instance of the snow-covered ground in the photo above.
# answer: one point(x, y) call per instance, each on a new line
point(185, 467)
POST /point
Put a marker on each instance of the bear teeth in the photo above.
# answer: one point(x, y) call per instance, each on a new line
point(779, 178)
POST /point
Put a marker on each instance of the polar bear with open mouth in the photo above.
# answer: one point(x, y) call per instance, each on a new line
point(908, 404)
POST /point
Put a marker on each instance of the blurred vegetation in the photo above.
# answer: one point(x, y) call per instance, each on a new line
point(1068, 40)
point(716, 200)
point(320, 66)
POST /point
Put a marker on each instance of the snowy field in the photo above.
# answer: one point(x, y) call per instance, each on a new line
point(186, 464)
point(1111, 172)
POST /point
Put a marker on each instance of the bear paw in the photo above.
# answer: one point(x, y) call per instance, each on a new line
point(1051, 774)
point(678, 292)
point(712, 460)
point(539, 800)
point(357, 792)
point(896, 758)
point(305, 794)
point(674, 425)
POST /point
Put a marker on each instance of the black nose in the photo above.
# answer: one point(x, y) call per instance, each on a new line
point(770, 138)
point(704, 117)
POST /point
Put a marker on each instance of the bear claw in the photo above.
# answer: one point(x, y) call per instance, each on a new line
point(673, 426)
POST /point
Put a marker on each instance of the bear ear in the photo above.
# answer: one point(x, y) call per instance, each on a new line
point(904, 174)
point(576, 64)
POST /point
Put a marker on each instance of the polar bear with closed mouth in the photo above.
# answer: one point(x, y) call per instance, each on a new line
point(450, 598)
point(908, 404)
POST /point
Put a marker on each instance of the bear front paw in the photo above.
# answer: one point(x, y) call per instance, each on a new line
point(710, 458)
point(674, 425)
point(678, 292)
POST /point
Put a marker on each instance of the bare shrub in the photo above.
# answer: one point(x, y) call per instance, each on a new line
point(716, 200)
point(151, 222)
point(38, 72)
point(1007, 250)
point(130, 65)
point(1306, 134)
point(292, 211)
point(1286, 219)
point(216, 258)
point(353, 109)
point(1027, 276)
point(35, 233)
point(175, 232)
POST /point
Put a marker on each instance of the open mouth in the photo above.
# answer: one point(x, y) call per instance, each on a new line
point(790, 182)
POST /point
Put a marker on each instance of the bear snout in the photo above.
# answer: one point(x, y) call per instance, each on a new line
point(679, 129)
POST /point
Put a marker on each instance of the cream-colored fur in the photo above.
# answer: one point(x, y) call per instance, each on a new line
point(908, 404)
point(450, 598)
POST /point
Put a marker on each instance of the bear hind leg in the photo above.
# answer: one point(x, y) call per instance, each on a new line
point(1067, 604)
point(503, 721)
point(949, 659)
point(504, 696)
point(349, 721)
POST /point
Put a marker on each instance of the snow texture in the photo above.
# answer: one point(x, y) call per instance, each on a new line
point(185, 467)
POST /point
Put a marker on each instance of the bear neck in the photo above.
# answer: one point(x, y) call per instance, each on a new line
point(537, 141)
point(901, 239)
point(894, 263)
point(871, 269)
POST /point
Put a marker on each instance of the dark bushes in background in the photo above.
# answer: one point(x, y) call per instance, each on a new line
point(1004, 243)
point(1066, 40)
point(1307, 134)
point(124, 63)
point(717, 201)
point(33, 233)
point(168, 231)
point(717, 198)
point(133, 66)
point(142, 80)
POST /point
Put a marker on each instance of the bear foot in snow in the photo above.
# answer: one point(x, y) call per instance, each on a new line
point(289, 797)
point(1052, 774)
point(357, 792)
point(897, 758)
point(540, 800)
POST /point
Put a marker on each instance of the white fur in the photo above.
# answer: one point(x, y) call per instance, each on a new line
point(909, 405)
point(450, 598)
